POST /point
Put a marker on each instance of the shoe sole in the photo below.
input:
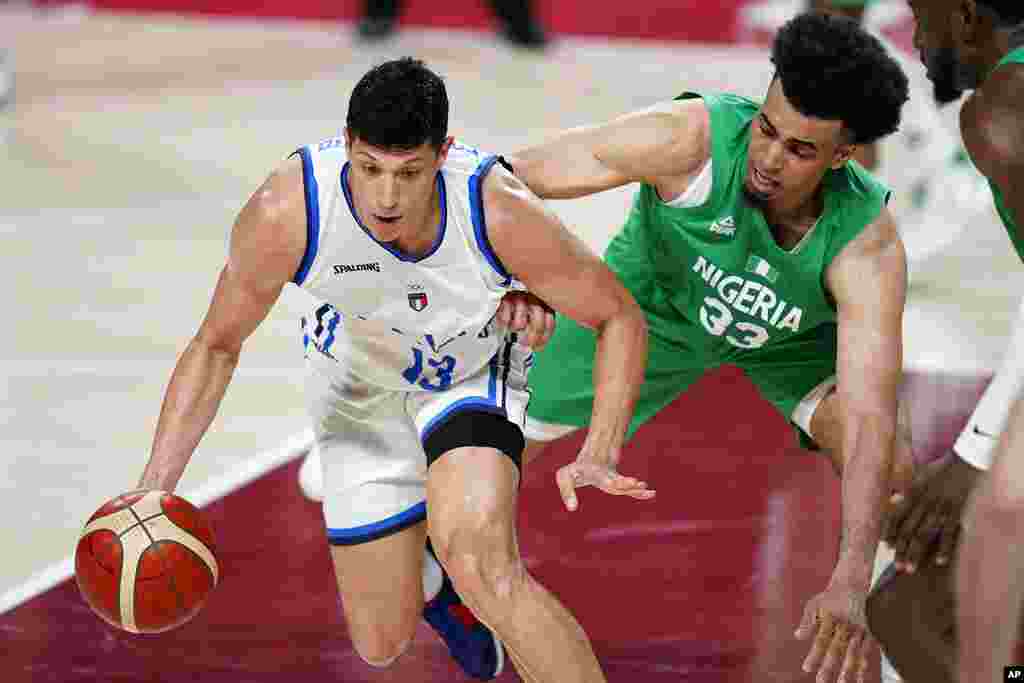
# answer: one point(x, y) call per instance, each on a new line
point(500, 650)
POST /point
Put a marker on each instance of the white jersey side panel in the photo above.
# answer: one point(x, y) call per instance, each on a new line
point(392, 320)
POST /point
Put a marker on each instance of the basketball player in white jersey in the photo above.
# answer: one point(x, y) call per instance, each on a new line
point(417, 396)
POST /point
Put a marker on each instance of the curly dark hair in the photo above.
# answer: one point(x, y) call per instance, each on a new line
point(1007, 13)
point(831, 68)
point(399, 104)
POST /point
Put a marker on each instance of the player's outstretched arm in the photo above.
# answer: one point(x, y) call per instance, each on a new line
point(990, 566)
point(658, 145)
point(868, 282)
point(990, 563)
point(536, 248)
point(267, 244)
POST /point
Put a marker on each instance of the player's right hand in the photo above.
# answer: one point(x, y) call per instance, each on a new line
point(587, 471)
point(924, 523)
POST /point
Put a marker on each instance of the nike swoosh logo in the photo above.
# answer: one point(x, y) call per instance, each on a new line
point(984, 434)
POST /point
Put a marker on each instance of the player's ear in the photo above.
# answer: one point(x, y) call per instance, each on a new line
point(442, 152)
point(843, 154)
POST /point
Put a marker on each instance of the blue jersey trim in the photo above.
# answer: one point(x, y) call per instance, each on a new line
point(476, 206)
point(312, 190)
point(371, 532)
point(488, 404)
point(400, 255)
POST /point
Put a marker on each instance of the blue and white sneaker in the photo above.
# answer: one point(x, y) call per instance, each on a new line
point(474, 646)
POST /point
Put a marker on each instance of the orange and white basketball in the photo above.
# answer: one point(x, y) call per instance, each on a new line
point(146, 561)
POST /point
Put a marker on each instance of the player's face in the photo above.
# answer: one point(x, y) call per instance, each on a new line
point(935, 40)
point(393, 190)
point(790, 153)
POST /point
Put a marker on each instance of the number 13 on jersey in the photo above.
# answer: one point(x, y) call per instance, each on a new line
point(441, 369)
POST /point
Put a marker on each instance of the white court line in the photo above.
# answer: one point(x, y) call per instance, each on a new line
point(212, 490)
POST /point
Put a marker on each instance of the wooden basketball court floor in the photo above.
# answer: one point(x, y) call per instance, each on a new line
point(133, 143)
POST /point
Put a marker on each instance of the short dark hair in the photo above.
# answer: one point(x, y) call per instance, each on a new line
point(399, 104)
point(1007, 13)
point(831, 68)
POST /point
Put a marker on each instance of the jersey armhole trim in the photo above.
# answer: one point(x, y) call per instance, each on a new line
point(312, 191)
point(476, 205)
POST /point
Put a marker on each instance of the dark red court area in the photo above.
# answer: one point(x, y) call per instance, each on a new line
point(704, 584)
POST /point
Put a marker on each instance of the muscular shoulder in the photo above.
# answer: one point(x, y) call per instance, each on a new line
point(506, 199)
point(269, 236)
point(875, 255)
point(992, 124)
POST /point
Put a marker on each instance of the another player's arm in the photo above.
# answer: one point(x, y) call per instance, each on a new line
point(990, 566)
point(267, 244)
point(868, 282)
point(657, 145)
point(990, 591)
point(537, 249)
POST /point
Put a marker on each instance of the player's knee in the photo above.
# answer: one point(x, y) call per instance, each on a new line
point(381, 650)
point(482, 561)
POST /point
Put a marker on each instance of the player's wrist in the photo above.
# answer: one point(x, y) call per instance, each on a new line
point(602, 446)
point(852, 574)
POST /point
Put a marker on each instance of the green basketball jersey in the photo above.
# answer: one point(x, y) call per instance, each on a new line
point(712, 277)
point(1012, 57)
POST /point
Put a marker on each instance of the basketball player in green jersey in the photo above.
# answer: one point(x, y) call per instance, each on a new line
point(755, 241)
point(979, 45)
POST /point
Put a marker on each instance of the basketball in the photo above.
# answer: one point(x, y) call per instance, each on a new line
point(146, 561)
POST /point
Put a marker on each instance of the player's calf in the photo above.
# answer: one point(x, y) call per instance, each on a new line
point(381, 587)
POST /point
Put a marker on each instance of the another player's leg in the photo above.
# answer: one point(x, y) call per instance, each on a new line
point(373, 482)
point(471, 493)
point(914, 620)
point(374, 510)
point(381, 587)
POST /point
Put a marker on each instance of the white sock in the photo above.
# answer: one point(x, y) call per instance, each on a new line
point(433, 577)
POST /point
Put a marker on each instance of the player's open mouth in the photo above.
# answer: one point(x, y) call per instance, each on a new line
point(762, 181)
point(388, 219)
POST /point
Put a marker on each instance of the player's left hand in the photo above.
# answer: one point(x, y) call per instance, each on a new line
point(837, 619)
point(587, 471)
point(526, 313)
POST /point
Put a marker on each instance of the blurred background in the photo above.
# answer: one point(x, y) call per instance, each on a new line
point(132, 131)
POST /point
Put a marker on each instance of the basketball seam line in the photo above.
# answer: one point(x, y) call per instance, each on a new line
point(140, 520)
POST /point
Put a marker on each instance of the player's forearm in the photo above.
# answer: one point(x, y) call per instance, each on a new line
point(195, 391)
point(620, 360)
point(990, 589)
point(870, 441)
point(564, 168)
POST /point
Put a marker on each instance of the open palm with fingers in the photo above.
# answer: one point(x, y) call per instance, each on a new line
point(585, 471)
point(842, 644)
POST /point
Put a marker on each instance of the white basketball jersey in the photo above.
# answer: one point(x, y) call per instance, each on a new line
point(393, 320)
